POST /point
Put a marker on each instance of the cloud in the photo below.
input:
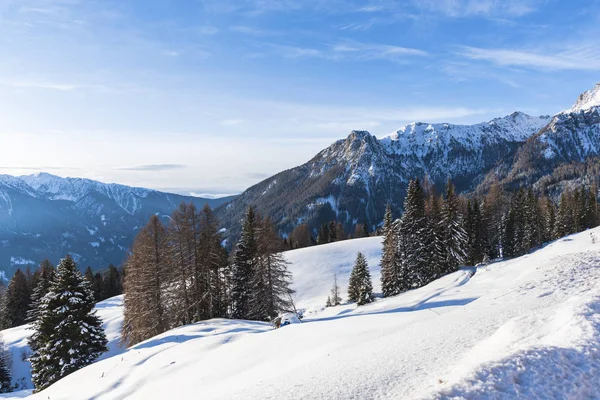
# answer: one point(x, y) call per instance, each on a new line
point(348, 50)
point(252, 31)
point(585, 58)
point(231, 122)
point(153, 167)
point(488, 8)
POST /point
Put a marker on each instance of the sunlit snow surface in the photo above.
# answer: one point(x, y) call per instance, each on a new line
point(529, 327)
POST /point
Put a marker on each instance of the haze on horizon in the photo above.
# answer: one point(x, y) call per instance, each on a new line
point(212, 96)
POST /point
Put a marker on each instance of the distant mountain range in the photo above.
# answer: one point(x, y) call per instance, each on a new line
point(354, 178)
point(351, 181)
point(45, 216)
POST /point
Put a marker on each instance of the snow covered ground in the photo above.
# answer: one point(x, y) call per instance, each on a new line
point(528, 327)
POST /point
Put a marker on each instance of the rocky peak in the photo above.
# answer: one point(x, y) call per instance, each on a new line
point(587, 100)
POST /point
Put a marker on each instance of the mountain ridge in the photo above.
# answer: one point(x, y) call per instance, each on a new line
point(46, 216)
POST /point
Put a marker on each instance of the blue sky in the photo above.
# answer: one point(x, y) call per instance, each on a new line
point(211, 96)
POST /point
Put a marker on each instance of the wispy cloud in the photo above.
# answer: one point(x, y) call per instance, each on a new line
point(488, 8)
point(153, 167)
point(253, 31)
point(348, 51)
point(576, 58)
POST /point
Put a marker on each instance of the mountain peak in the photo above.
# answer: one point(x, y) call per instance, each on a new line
point(587, 100)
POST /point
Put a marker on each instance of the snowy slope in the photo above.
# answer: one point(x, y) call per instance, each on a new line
point(111, 313)
point(528, 327)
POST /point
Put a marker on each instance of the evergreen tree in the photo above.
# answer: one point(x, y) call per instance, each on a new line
point(323, 235)
point(455, 237)
point(493, 217)
point(45, 274)
point(17, 300)
point(436, 234)
point(563, 224)
point(95, 282)
point(416, 258)
point(475, 233)
point(244, 264)
point(68, 334)
point(360, 288)
point(549, 219)
point(389, 270)
point(333, 232)
point(214, 266)
point(5, 368)
point(113, 285)
point(271, 279)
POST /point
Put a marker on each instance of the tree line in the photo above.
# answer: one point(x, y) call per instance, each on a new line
point(437, 234)
point(180, 274)
point(18, 298)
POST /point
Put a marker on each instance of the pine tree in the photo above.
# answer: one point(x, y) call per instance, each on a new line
point(549, 219)
point(475, 233)
point(95, 282)
point(5, 368)
point(244, 264)
point(17, 300)
point(389, 273)
point(333, 232)
point(455, 237)
point(146, 270)
point(271, 279)
point(436, 234)
point(360, 288)
point(493, 216)
point(113, 285)
point(323, 235)
point(213, 266)
point(45, 274)
point(416, 259)
point(563, 224)
point(68, 334)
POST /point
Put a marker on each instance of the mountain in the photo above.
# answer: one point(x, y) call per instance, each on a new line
point(521, 328)
point(353, 179)
point(566, 149)
point(46, 216)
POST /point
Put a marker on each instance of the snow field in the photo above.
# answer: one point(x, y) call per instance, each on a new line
point(528, 327)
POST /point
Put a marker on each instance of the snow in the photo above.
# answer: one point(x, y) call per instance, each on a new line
point(527, 328)
point(111, 313)
point(15, 261)
point(587, 100)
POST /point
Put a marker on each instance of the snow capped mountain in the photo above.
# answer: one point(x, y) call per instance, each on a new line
point(587, 100)
point(354, 178)
point(46, 216)
point(571, 138)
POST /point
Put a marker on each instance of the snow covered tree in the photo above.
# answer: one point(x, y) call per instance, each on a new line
point(244, 264)
point(455, 237)
point(493, 215)
point(45, 274)
point(144, 314)
point(360, 288)
point(389, 270)
point(5, 368)
point(68, 334)
point(416, 258)
point(435, 233)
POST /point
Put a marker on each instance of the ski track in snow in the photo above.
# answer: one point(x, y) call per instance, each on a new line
point(524, 328)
